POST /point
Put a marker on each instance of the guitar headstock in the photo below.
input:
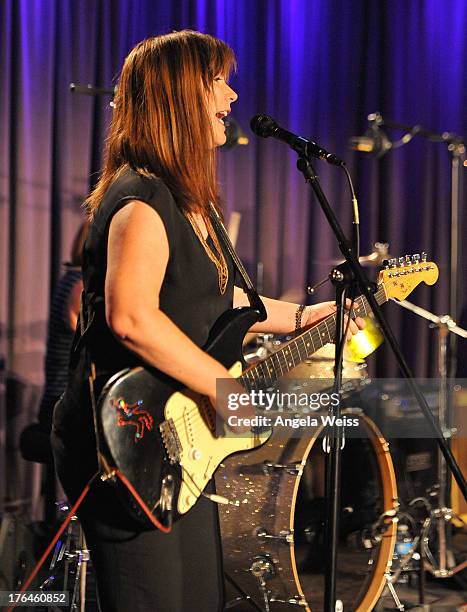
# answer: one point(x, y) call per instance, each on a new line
point(401, 275)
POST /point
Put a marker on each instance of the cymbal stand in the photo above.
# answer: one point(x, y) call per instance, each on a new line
point(441, 516)
point(416, 552)
point(66, 554)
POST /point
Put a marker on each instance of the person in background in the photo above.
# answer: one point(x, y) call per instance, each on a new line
point(63, 315)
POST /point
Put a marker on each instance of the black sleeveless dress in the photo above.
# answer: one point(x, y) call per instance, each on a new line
point(137, 569)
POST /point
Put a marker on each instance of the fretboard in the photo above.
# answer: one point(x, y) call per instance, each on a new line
point(291, 354)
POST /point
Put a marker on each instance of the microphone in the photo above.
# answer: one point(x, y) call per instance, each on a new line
point(374, 140)
point(378, 144)
point(265, 126)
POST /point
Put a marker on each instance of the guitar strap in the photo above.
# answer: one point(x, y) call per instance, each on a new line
point(91, 371)
point(248, 287)
point(106, 472)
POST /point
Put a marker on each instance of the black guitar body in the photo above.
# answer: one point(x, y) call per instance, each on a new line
point(130, 410)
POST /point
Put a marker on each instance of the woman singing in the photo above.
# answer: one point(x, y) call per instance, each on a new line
point(156, 278)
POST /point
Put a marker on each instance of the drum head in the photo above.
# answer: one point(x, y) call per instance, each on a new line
point(362, 503)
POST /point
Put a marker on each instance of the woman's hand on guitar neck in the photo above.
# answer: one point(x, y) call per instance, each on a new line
point(312, 315)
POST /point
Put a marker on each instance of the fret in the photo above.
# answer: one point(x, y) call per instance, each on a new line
point(293, 353)
point(364, 307)
point(271, 369)
point(327, 328)
point(252, 375)
point(322, 334)
point(278, 361)
point(307, 344)
point(264, 370)
point(245, 381)
point(288, 352)
point(358, 306)
point(312, 343)
point(302, 338)
point(281, 359)
point(317, 333)
point(300, 356)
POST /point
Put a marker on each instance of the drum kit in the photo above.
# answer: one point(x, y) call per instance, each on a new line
point(273, 539)
point(273, 542)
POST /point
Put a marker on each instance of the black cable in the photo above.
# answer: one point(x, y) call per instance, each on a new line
point(356, 215)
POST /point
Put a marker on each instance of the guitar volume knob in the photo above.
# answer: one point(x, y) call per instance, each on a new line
point(195, 454)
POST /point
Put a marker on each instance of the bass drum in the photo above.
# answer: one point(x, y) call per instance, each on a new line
point(273, 540)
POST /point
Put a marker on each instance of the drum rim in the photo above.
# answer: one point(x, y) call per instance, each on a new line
point(390, 502)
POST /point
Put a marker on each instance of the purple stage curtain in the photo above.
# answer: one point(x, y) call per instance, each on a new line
point(318, 67)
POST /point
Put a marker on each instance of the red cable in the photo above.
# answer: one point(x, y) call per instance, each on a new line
point(54, 541)
point(70, 515)
point(140, 501)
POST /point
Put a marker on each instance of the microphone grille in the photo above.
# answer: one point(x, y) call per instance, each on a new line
point(263, 125)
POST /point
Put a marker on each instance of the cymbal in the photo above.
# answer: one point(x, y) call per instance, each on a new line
point(375, 258)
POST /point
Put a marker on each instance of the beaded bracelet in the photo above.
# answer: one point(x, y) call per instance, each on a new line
point(298, 318)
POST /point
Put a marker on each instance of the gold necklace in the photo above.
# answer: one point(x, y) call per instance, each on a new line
point(218, 260)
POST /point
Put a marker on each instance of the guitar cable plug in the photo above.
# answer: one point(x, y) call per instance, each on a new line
point(218, 499)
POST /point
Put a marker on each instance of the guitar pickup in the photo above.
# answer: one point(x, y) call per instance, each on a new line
point(171, 441)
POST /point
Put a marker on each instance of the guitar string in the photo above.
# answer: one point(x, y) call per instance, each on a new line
point(313, 334)
point(295, 352)
point(283, 361)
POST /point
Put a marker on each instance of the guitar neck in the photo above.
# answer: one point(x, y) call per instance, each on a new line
point(303, 346)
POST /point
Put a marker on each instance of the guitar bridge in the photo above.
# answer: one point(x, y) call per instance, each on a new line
point(171, 441)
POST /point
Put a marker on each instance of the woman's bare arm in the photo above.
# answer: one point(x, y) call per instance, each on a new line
point(138, 252)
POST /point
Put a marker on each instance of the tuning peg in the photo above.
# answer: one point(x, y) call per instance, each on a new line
point(424, 256)
point(415, 258)
point(393, 263)
point(385, 264)
point(401, 261)
point(408, 260)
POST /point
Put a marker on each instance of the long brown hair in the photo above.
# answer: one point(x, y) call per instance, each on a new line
point(160, 123)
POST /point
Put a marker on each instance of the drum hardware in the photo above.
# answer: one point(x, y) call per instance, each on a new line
point(435, 517)
point(406, 550)
point(390, 586)
point(286, 535)
point(68, 552)
point(262, 568)
point(292, 601)
point(261, 346)
point(379, 254)
point(370, 537)
point(326, 443)
point(375, 258)
point(291, 468)
point(444, 566)
point(243, 597)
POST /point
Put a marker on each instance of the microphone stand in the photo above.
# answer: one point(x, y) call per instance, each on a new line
point(344, 277)
point(456, 150)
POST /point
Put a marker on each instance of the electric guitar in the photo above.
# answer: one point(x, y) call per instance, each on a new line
point(155, 432)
